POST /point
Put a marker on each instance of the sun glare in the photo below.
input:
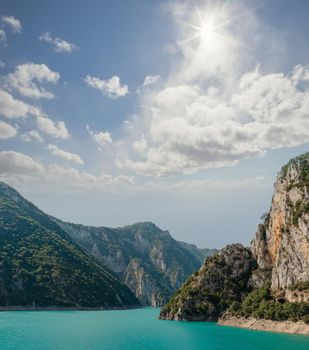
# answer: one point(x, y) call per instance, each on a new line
point(207, 29)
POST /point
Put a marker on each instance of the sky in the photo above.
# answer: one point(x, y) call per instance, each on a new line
point(176, 112)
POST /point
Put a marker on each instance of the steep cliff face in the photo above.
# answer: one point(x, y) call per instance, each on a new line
point(223, 279)
point(269, 280)
point(150, 262)
point(281, 244)
point(149, 289)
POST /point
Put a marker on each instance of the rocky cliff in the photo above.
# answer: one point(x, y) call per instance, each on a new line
point(271, 279)
point(222, 279)
point(148, 260)
point(281, 244)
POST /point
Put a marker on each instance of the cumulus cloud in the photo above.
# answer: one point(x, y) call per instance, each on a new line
point(150, 79)
point(111, 88)
point(32, 135)
point(213, 111)
point(2, 64)
point(12, 23)
point(18, 168)
point(7, 131)
point(192, 129)
point(13, 108)
point(56, 130)
point(25, 78)
point(14, 163)
point(101, 138)
point(72, 157)
point(141, 145)
point(59, 45)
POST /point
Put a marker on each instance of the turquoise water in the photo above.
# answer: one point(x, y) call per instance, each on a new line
point(129, 330)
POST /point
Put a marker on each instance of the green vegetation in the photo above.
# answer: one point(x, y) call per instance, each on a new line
point(261, 305)
point(298, 210)
point(306, 319)
point(302, 162)
point(40, 265)
point(222, 281)
point(300, 286)
point(150, 247)
point(225, 283)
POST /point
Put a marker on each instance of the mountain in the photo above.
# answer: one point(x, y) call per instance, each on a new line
point(148, 260)
point(269, 280)
point(281, 244)
point(42, 266)
point(222, 279)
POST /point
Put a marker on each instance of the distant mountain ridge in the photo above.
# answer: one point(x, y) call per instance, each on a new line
point(42, 266)
point(47, 262)
point(149, 261)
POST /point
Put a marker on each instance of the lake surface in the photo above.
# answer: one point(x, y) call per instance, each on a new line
point(129, 330)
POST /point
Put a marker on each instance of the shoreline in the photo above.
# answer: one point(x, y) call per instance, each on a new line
point(66, 308)
point(289, 327)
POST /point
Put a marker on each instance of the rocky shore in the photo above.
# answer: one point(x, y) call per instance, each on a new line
point(298, 327)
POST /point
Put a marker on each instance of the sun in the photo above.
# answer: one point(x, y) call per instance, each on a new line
point(209, 38)
point(207, 29)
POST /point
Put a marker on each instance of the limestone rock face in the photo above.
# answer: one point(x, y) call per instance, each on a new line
point(279, 254)
point(147, 259)
point(148, 290)
point(281, 244)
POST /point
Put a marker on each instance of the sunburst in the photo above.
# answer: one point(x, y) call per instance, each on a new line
point(208, 27)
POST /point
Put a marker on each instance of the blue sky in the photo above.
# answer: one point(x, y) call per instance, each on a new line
point(180, 113)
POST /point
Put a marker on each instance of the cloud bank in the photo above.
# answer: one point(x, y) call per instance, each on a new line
point(210, 112)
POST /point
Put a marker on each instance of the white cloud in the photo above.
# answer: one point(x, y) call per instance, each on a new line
point(150, 80)
point(2, 36)
point(13, 23)
point(191, 129)
point(59, 44)
point(56, 130)
point(101, 138)
point(72, 157)
point(32, 135)
point(2, 64)
point(13, 108)
point(7, 131)
point(141, 145)
point(70, 177)
point(112, 87)
point(213, 111)
point(18, 168)
point(26, 76)
point(15, 163)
